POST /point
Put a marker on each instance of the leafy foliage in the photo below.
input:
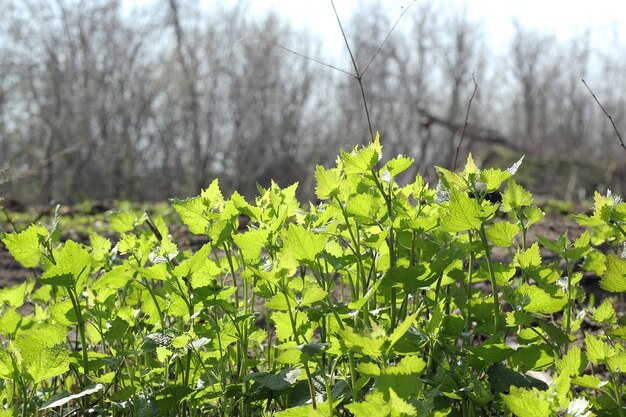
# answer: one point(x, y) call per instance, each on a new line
point(382, 300)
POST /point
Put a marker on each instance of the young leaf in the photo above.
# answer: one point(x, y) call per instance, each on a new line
point(529, 258)
point(305, 244)
point(462, 214)
point(402, 329)
point(73, 265)
point(397, 165)
point(399, 407)
point(540, 301)
point(251, 243)
point(374, 405)
point(50, 362)
point(24, 246)
point(493, 178)
point(614, 278)
point(328, 182)
point(528, 403)
point(123, 221)
point(502, 233)
point(402, 377)
point(515, 197)
point(192, 213)
point(605, 313)
point(359, 161)
point(598, 351)
point(572, 363)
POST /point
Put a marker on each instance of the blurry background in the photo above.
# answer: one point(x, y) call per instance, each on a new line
point(144, 100)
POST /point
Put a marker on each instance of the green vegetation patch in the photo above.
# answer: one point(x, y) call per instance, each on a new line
point(382, 300)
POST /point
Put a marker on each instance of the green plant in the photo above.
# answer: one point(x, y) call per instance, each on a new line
point(384, 299)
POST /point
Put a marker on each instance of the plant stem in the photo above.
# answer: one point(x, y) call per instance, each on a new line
point(83, 340)
point(492, 276)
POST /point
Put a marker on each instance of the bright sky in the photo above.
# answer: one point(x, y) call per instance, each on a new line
point(564, 18)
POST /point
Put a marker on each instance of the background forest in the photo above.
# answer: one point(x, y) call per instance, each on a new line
point(98, 102)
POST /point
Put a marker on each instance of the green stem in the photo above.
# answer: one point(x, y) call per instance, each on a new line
point(570, 302)
point(229, 257)
point(492, 276)
point(470, 271)
point(83, 340)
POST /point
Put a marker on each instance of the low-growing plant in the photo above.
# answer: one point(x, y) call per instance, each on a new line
point(382, 300)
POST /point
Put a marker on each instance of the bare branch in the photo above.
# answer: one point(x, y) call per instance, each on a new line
point(404, 10)
point(357, 74)
point(621, 141)
point(308, 58)
point(469, 105)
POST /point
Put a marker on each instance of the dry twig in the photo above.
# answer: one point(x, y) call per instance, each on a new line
point(621, 141)
point(469, 105)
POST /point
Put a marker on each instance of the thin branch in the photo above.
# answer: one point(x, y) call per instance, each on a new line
point(404, 10)
point(357, 75)
point(621, 141)
point(469, 105)
point(308, 58)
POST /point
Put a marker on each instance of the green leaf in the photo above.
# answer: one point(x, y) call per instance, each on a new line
point(328, 182)
point(541, 301)
point(311, 294)
point(488, 354)
point(14, 296)
point(73, 265)
point(252, 243)
point(605, 313)
point(502, 233)
point(618, 332)
point(572, 363)
point(25, 246)
point(359, 161)
point(528, 403)
point(275, 382)
point(192, 213)
point(195, 263)
point(50, 362)
point(397, 165)
point(533, 215)
point(364, 205)
point(614, 278)
point(463, 213)
point(493, 178)
point(363, 344)
point(374, 405)
point(409, 278)
point(470, 169)
point(123, 221)
point(402, 378)
point(100, 246)
point(598, 351)
point(502, 378)
point(589, 381)
point(157, 272)
point(10, 321)
point(400, 407)
point(114, 279)
point(304, 244)
point(515, 197)
point(401, 329)
point(529, 258)
point(595, 262)
point(617, 363)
